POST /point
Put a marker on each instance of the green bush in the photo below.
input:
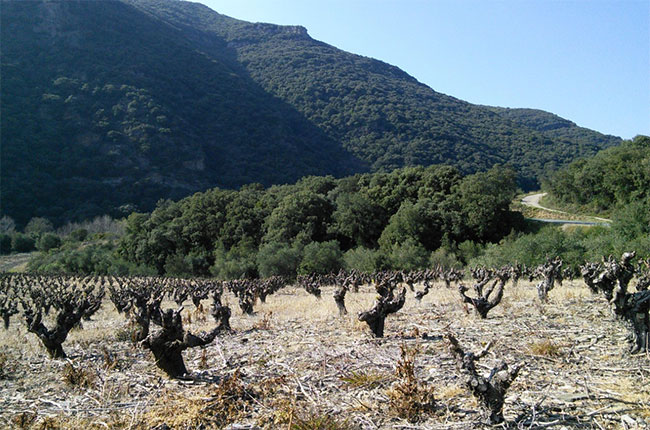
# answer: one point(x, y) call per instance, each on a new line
point(469, 250)
point(78, 235)
point(632, 220)
point(444, 258)
point(38, 226)
point(278, 259)
point(531, 249)
point(409, 255)
point(321, 257)
point(574, 246)
point(239, 262)
point(94, 259)
point(47, 242)
point(175, 265)
point(7, 224)
point(362, 259)
point(195, 263)
point(22, 243)
point(5, 243)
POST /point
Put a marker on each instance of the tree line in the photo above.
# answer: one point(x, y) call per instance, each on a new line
point(367, 222)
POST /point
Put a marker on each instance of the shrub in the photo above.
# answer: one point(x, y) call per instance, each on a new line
point(533, 249)
point(409, 398)
point(409, 255)
point(468, 250)
point(94, 259)
point(278, 259)
point(78, 377)
point(362, 259)
point(5, 243)
point(238, 263)
point(7, 224)
point(47, 242)
point(38, 226)
point(444, 258)
point(321, 257)
point(78, 235)
point(22, 243)
point(176, 265)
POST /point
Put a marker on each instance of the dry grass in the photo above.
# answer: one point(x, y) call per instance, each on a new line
point(545, 347)
point(15, 262)
point(6, 366)
point(366, 379)
point(77, 376)
point(317, 421)
point(228, 402)
point(296, 362)
point(450, 391)
point(409, 398)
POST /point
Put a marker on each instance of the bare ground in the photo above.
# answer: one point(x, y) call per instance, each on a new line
point(297, 365)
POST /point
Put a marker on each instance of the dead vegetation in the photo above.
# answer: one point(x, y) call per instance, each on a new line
point(308, 367)
point(410, 398)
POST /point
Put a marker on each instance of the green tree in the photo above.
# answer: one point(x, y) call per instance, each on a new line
point(321, 257)
point(357, 220)
point(47, 242)
point(444, 258)
point(38, 226)
point(405, 224)
point(304, 214)
point(22, 243)
point(7, 225)
point(363, 259)
point(484, 199)
point(278, 259)
point(78, 235)
point(5, 243)
point(408, 255)
point(178, 265)
point(632, 220)
point(419, 222)
point(238, 262)
point(244, 217)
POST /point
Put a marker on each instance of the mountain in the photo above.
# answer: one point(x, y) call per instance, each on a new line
point(108, 106)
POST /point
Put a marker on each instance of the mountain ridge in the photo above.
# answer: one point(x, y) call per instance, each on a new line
point(109, 106)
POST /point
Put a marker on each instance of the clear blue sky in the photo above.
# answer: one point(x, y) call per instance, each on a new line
point(585, 60)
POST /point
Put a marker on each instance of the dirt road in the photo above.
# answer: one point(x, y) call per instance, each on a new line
point(533, 201)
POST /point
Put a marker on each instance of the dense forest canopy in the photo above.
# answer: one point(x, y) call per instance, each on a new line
point(394, 217)
point(109, 106)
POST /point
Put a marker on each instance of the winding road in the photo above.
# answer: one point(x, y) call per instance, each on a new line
point(533, 201)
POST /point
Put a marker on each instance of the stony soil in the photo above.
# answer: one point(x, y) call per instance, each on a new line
point(297, 365)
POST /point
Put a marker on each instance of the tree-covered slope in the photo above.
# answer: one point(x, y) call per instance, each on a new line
point(610, 182)
point(558, 128)
point(380, 113)
point(111, 105)
point(104, 105)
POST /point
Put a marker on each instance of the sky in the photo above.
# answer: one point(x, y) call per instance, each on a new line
point(585, 60)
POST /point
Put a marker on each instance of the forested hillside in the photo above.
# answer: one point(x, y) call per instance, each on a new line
point(104, 105)
point(109, 106)
point(379, 112)
point(616, 181)
point(611, 180)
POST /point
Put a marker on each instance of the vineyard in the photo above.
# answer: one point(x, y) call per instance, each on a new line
point(517, 347)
